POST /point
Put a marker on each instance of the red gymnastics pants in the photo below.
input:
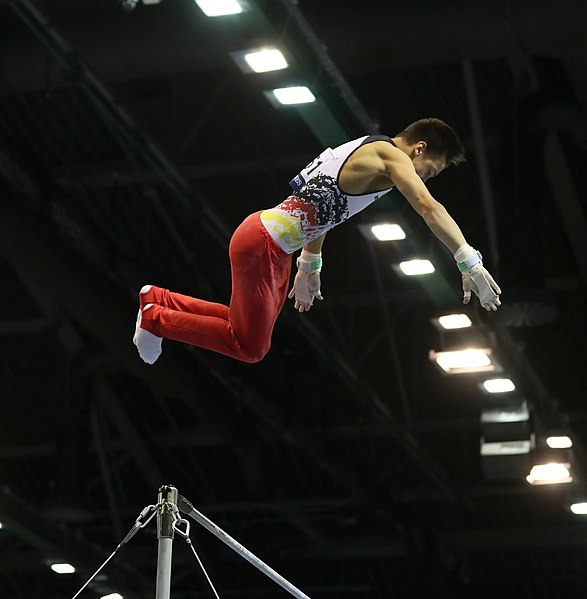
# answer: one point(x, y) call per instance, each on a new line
point(260, 279)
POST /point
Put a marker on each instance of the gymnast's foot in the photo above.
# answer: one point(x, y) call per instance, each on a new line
point(149, 345)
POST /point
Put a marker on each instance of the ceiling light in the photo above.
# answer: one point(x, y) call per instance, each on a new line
point(579, 508)
point(454, 321)
point(501, 448)
point(268, 59)
point(388, 232)
point(63, 568)
point(414, 268)
point(499, 385)
point(464, 361)
point(294, 95)
point(112, 596)
point(506, 414)
point(550, 474)
point(561, 442)
point(219, 8)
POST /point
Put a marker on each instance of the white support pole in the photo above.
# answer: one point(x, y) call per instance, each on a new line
point(165, 518)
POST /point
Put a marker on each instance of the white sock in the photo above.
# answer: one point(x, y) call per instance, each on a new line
point(149, 345)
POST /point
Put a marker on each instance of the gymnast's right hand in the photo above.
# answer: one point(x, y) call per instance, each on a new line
point(476, 279)
point(306, 285)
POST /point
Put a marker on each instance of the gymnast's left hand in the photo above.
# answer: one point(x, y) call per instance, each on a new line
point(305, 289)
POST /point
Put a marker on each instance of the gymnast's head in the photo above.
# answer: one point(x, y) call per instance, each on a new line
point(432, 145)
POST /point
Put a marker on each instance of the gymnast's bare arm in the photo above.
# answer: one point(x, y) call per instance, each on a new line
point(315, 246)
point(380, 164)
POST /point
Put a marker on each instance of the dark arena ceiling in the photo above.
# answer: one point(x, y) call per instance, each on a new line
point(132, 145)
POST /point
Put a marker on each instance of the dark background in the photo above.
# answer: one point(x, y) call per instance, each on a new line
point(131, 146)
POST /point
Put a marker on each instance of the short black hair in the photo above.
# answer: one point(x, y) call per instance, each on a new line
point(440, 138)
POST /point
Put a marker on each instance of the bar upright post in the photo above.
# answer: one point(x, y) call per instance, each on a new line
point(166, 505)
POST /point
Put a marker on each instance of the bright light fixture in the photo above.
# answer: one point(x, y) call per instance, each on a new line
point(1, 526)
point(414, 268)
point(501, 448)
point(219, 8)
point(562, 442)
point(503, 414)
point(112, 596)
point(464, 361)
point(454, 321)
point(550, 474)
point(499, 385)
point(294, 95)
point(388, 232)
point(268, 59)
point(579, 508)
point(63, 568)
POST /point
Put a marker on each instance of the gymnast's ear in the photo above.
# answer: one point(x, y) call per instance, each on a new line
point(420, 147)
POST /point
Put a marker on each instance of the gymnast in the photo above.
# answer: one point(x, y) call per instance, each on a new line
point(335, 186)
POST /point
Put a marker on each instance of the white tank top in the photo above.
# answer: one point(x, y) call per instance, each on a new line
point(317, 204)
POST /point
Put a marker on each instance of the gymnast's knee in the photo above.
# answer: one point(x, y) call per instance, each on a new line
point(253, 355)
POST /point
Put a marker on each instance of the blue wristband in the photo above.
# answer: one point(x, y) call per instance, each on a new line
point(315, 264)
point(466, 265)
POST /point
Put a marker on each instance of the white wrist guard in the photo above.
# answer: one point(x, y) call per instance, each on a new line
point(467, 257)
point(309, 262)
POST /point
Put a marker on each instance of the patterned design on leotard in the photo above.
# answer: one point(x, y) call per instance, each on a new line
point(317, 204)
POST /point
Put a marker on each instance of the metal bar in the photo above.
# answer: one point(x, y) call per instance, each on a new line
point(166, 501)
point(187, 508)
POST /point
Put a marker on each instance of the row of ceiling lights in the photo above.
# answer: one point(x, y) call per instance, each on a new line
point(257, 60)
point(474, 360)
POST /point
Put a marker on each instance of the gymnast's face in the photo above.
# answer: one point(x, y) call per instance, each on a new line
point(426, 166)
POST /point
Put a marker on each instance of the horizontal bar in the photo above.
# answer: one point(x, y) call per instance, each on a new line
point(187, 508)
